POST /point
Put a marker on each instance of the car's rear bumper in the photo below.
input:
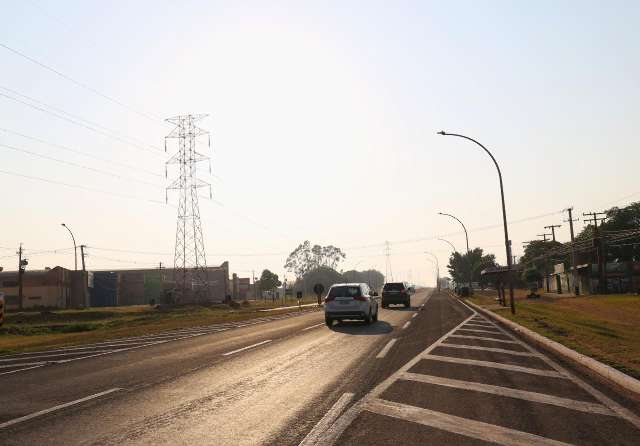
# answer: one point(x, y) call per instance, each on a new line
point(345, 314)
point(395, 299)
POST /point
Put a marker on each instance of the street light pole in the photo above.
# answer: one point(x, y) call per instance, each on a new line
point(507, 242)
point(75, 247)
point(450, 244)
point(466, 235)
point(437, 270)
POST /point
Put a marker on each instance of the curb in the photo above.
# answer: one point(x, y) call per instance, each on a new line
point(600, 369)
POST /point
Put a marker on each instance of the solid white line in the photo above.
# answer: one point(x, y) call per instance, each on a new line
point(21, 364)
point(478, 324)
point(406, 324)
point(461, 426)
point(386, 349)
point(535, 397)
point(494, 365)
point(327, 420)
point(490, 349)
point(504, 341)
point(313, 326)
point(246, 348)
point(53, 409)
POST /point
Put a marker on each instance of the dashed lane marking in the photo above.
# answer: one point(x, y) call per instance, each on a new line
point(494, 365)
point(55, 408)
point(406, 324)
point(461, 426)
point(386, 349)
point(511, 393)
point(327, 420)
point(414, 315)
point(233, 352)
point(313, 326)
point(490, 349)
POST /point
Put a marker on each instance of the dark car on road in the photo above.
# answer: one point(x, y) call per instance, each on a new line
point(398, 293)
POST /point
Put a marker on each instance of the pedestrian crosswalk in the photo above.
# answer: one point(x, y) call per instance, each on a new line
point(21, 362)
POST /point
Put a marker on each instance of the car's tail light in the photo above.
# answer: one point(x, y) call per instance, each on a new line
point(403, 292)
point(361, 298)
point(329, 299)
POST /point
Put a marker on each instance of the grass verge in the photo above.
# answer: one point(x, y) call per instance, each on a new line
point(606, 328)
point(40, 330)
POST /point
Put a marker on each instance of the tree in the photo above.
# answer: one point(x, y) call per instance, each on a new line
point(619, 219)
point(306, 258)
point(535, 252)
point(323, 274)
point(476, 260)
point(372, 277)
point(269, 281)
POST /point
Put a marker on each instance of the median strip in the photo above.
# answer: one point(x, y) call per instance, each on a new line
point(233, 352)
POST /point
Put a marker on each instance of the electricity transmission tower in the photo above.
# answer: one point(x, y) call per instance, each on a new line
point(190, 261)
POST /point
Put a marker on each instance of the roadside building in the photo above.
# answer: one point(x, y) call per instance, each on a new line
point(150, 285)
point(621, 277)
point(49, 288)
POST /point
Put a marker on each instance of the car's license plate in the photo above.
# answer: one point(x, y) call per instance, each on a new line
point(345, 302)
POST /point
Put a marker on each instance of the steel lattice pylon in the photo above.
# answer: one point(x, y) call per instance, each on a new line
point(190, 261)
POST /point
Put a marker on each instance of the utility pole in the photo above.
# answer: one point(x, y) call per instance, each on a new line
point(601, 256)
point(190, 261)
point(574, 260)
point(553, 230)
point(546, 263)
point(82, 256)
point(22, 265)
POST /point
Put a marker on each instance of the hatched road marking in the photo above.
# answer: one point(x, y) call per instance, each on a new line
point(327, 420)
point(372, 402)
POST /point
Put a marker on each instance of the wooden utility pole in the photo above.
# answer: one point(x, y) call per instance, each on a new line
point(22, 264)
point(553, 231)
point(574, 259)
point(601, 256)
point(546, 263)
point(82, 256)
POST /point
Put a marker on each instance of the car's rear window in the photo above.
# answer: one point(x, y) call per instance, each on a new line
point(394, 286)
point(345, 291)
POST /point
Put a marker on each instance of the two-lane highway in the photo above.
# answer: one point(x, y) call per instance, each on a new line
point(228, 385)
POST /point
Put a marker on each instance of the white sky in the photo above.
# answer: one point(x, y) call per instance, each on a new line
point(324, 119)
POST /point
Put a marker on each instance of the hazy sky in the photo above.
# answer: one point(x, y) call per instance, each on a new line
point(324, 119)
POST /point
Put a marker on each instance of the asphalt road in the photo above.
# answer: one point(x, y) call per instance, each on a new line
point(433, 374)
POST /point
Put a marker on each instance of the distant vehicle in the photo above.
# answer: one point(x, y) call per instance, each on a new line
point(398, 293)
point(350, 301)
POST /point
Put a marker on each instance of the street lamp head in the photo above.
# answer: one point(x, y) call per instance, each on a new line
point(441, 132)
point(63, 224)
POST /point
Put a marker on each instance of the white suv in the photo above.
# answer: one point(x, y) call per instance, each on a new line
point(350, 301)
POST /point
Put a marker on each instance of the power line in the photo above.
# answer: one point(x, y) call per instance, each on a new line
point(80, 166)
point(152, 118)
point(88, 127)
point(79, 152)
point(78, 118)
point(77, 186)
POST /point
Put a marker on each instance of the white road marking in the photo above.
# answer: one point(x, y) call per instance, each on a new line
point(406, 324)
point(478, 325)
point(386, 349)
point(313, 326)
point(461, 426)
point(55, 408)
point(8, 366)
point(233, 352)
point(536, 397)
point(621, 411)
point(490, 349)
point(414, 315)
point(328, 419)
point(494, 365)
point(22, 370)
point(504, 341)
point(475, 330)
